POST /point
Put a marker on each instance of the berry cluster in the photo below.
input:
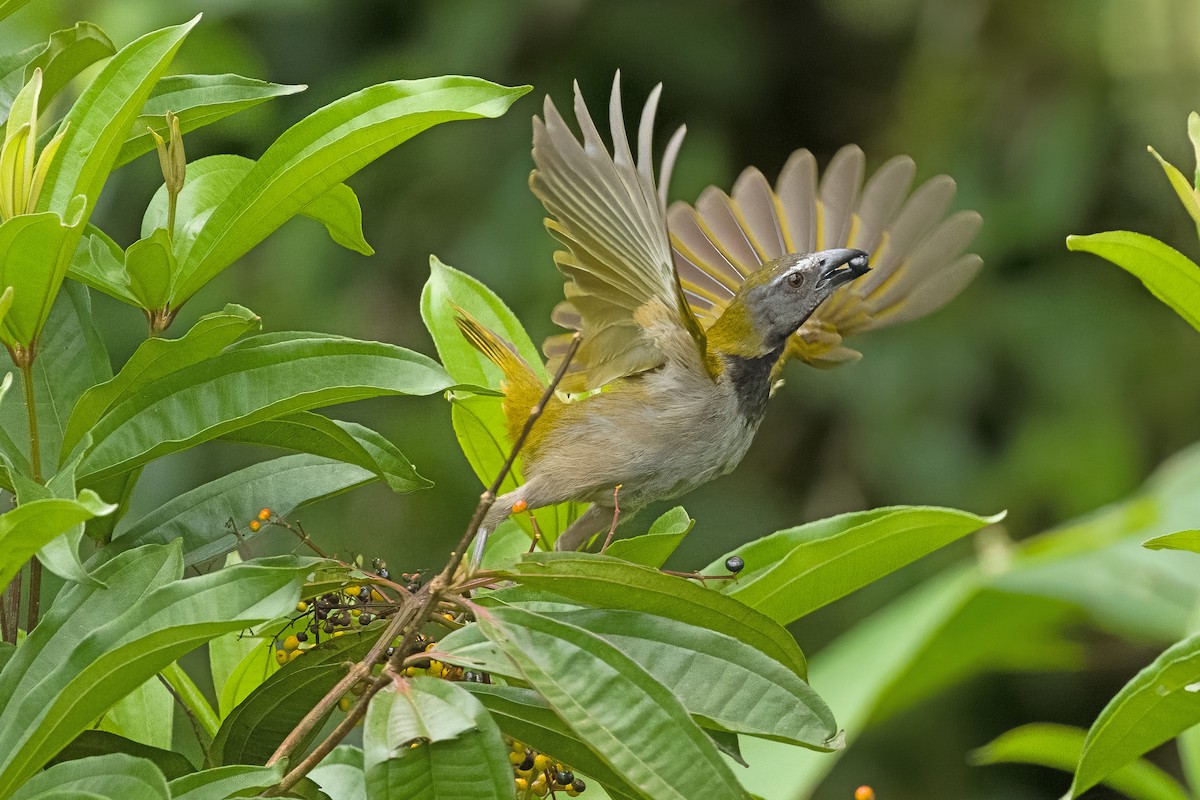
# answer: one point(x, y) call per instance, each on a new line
point(331, 614)
point(537, 775)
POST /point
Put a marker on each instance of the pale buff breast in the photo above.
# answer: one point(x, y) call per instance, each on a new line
point(659, 435)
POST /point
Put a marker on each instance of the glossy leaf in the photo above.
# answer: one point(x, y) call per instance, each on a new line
point(1183, 188)
point(247, 385)
point(67, 53)
point(252, 731)
point(115, 775)
point(429, 709)
point(796, 571)
point(479, 422)
point(98, 743)
point(606, 582)
point(256, 665)
point(219, 783)
point(1169, 275)
point(321, 151)
point(637, 725)
point(725, 684)
point(525, 716)
point(156, 358)
point(145, 715)
point(281, 484)
point(150, 265)
point(472, 765)
point(31, 526)
point(347, 442)
point(1159, 702)
point(98, 122)
point(1059, 746)
point(654, 547)
point(35, 251)
point(158, 619)
point(197, 100)
point(9, 7)
point(340, 774)
point(1180, 540)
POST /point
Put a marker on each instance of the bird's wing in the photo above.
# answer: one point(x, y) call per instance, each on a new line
point(918, 259)
point(621, 288)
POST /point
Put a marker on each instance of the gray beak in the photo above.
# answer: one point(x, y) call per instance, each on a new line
point(840, 266)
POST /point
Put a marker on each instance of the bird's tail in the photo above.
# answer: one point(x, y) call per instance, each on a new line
point(522, 387)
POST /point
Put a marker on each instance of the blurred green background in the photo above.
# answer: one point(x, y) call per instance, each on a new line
point(1053, 385)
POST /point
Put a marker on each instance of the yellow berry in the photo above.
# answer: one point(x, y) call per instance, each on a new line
point(515, 758)
point(344, 704)
point(571, 792)
point(376, 596)
point(518, 747)
point(356, 612)
point(291, 643)
point(281, 657)
point(448, 616)
point(521, 784)
point(265, 514)
point(542, 762)
point(864, 793)
point(519, 506)
point(254, 525)
point(302, 607)
point(353, 591)
point(539, 786)
point(338, 633)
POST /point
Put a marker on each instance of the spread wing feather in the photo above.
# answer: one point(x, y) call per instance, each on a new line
point(917, 253)
point(606, 209)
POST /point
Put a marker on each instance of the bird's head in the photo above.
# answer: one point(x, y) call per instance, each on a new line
point(776, 300)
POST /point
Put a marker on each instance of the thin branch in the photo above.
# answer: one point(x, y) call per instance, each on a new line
point(197, 728)
point(616, 516)
point(408, 621)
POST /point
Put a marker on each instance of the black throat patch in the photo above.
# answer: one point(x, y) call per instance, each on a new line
point(751, 380)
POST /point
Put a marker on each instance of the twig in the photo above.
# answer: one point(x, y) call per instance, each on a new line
point(616, 516)
point(197, 728)
point(696, 576)
point(408, 621)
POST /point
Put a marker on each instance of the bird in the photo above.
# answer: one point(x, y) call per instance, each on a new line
point(688, 313)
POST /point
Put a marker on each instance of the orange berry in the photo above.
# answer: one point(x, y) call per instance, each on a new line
point(519, 506)
point(864, 793)
point(254, 525)
point(265, 514)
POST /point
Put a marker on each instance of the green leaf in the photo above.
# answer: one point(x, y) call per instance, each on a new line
point(1182, 186)
point(246, 385)
point(635, 724)
point(1159, 702)
point(340, 774)
point(99, 263)
point(35, 251)
point(197, 100)
point(525, 716)
point(430, 709)
point(348, 442)
point(149, 265)
point(796, 571)
point(259, 724)
point(145, 715)
point(115, 775)
point(96, 126)
point(321, 151)
point(1169, 275)
point(190, 696)
point(221, 782)
point(725, 684)
point(157, 358)
point(154, 624)
point(67, 53)
point(339, 211)
point(98, 743)
point(9, 7)
point(1180, 540)
point(197, 518)
point(655, 547)
point(472, 764)
point(31, 526)
point(251, 671)
point(606, 582)
point(1059, 746)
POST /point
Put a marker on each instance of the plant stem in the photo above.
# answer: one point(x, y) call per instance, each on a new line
point(411, 618)
point(35, 459)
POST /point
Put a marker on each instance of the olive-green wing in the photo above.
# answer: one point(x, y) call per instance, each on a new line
point(918, 259)
point(620, 279)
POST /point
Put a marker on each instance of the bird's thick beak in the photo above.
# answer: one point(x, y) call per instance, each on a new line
point(841, 266)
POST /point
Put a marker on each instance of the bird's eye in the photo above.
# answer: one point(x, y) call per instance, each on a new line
point(795, 280)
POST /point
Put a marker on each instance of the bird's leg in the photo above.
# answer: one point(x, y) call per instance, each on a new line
point(594, 520)
point(500, 511)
